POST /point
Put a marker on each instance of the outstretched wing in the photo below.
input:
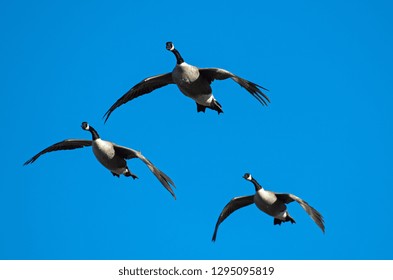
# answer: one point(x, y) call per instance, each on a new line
point(145, 86)
point(312, 212)
point(68, 144)
point(128, 153)
point(212, 74)
point(232, 206)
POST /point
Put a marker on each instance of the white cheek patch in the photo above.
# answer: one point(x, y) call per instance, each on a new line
point(87, 127)
point(172, 48)
point(249, 177)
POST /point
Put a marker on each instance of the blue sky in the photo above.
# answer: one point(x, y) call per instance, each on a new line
point(326, 136)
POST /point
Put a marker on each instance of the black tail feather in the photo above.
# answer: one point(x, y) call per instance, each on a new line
point(277, 221)
point(214, 106)
point(114, 174)
point(287, 219)
point(200, 108)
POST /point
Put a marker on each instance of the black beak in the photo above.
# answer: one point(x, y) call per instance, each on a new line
point(169, 45)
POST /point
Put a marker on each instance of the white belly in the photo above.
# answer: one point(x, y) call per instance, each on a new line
point(187, 78)
point(264, 198)
point(105, 154)
point(103, 151)
point(264, 201)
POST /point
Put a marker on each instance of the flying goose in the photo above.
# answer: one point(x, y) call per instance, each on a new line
point(269, 202)
point(192, 81)
point(110, 155)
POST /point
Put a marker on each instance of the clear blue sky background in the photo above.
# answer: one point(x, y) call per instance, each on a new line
point(326, 136)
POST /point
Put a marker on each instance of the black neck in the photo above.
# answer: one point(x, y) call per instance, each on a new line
point(256, 184)
point(179, 59)
point(94, 133)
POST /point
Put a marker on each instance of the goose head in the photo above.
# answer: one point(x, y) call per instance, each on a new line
point(257, 186)
point(247, 176)
point(85, 126)
point(170, 46)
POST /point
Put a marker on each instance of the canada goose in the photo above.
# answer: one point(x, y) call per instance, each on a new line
point(192, 81)
point(109, 154)
point(269, 202)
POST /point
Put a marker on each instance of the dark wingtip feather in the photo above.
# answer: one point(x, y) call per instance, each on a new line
point(316, 217)
point(262, 96)
point(255, 90)
point(262, 87)
point(214, 237)
point(166, 182)
point(105, 117)
point(321, 223)
point(122, 100)
point(33, 159)
point(110, 111)
point(28, 162)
